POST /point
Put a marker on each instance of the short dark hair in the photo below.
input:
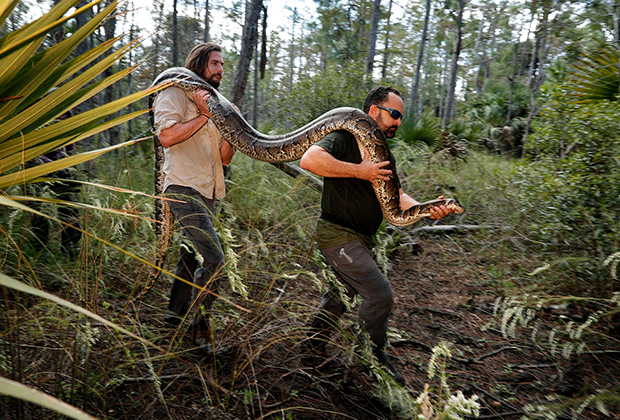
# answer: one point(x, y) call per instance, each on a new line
point(378, 96)
point(198, 59)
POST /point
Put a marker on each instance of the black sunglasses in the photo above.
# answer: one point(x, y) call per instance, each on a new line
point(396, 115)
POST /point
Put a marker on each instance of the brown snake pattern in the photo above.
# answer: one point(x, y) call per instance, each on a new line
point(282, 148)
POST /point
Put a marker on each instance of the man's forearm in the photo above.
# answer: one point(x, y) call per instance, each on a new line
point(180, 132)
point(406, 201)
point(321, 163)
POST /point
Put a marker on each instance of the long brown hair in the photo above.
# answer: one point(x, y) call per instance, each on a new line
point(198, 59)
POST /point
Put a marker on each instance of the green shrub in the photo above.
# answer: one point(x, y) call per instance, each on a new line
point(568, 188)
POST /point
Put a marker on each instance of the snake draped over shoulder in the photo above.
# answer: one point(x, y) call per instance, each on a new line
point(284, 148)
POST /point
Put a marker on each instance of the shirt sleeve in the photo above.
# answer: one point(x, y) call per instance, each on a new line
point(168, 109)
point(335, 143)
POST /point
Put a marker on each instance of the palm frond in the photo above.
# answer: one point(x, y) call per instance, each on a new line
point(426, 129)
point(596, 76)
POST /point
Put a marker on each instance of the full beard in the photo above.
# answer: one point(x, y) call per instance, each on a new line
point(390, 132)
point(214, 81)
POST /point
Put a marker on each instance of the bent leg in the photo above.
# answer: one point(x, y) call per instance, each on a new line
point(195, 218)
point(358, 271)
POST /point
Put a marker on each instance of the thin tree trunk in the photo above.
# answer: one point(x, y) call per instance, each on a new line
point(263, 47)
point(129, 77)
point(157, 41)
point(511, 78)
point(480, 56)
point(292, 54)
point(444, 83)
point(175, 35)
point(493, 31)
point(416, 78)
point(426, 74)
point(387, 42)
point(370, 62)
point(206, 35)
point(255, 102)
point(536, 74)
point(455, 66)
point(248, 43)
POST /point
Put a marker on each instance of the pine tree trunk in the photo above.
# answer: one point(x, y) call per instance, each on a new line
point(157, 42)
point(480, 56)
point(536, 73)
point(206, 35)
point(426, 75)
point(292, 54)
point(263, 47)
point(416, 78)
point(387, 43)
point(444, 83)
point(370, 63)
point(448, 114)
point(175, 35)
point(248, 43)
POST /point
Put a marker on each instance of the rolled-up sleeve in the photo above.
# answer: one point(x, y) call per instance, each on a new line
point(168, 109)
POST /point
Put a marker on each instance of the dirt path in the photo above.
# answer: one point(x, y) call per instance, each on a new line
point(440, 297)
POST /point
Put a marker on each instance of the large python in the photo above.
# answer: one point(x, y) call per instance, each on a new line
point(282, 148)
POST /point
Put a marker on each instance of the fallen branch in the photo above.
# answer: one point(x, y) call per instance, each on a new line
point(173, 378)
point(295, 171)
point(488, 394)
point(498, 415)
point(420, 344)
point(281, 291)
point(450, 228)
point(478, 360)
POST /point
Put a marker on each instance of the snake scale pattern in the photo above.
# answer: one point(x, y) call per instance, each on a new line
point(281, 148)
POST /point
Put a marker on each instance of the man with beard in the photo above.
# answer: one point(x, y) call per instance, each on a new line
point(350, 216)
point(194, 156)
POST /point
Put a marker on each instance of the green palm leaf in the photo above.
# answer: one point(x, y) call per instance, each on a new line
point(17, 390)
point(23, 147)
point(41, 72)
point(425, 129)
point(28, 104)
point(6, 7)
point(596, 76)
point(18, 46)
point(24, 176)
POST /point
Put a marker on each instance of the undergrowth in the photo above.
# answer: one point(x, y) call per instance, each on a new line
point(274, 278)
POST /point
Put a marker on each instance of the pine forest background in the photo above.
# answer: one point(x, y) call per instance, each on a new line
point(511, 106)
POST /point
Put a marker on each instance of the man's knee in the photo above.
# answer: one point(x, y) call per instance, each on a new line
point(384, 299)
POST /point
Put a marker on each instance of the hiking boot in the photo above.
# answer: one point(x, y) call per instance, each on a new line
point(384, 361)
point(201, 334)
point(172, 320)
point(313, 347)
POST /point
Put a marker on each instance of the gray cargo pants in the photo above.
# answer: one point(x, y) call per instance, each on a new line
point(358, 272)
point(195, 216)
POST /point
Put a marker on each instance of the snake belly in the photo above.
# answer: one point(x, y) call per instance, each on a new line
point(285, 148)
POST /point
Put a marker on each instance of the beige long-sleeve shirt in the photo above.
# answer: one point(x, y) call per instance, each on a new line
point(196, 162)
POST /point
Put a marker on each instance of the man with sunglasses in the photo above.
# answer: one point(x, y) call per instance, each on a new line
point(350, 216)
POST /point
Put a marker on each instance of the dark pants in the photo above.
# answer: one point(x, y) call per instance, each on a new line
point(195, 215)
point(69, 237)
point(358, 272)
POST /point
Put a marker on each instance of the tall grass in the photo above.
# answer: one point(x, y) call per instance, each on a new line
point(267, 223)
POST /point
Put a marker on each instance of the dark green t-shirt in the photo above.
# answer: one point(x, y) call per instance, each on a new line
point(348, 202)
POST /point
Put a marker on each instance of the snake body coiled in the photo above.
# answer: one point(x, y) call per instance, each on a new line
point(284, 148)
